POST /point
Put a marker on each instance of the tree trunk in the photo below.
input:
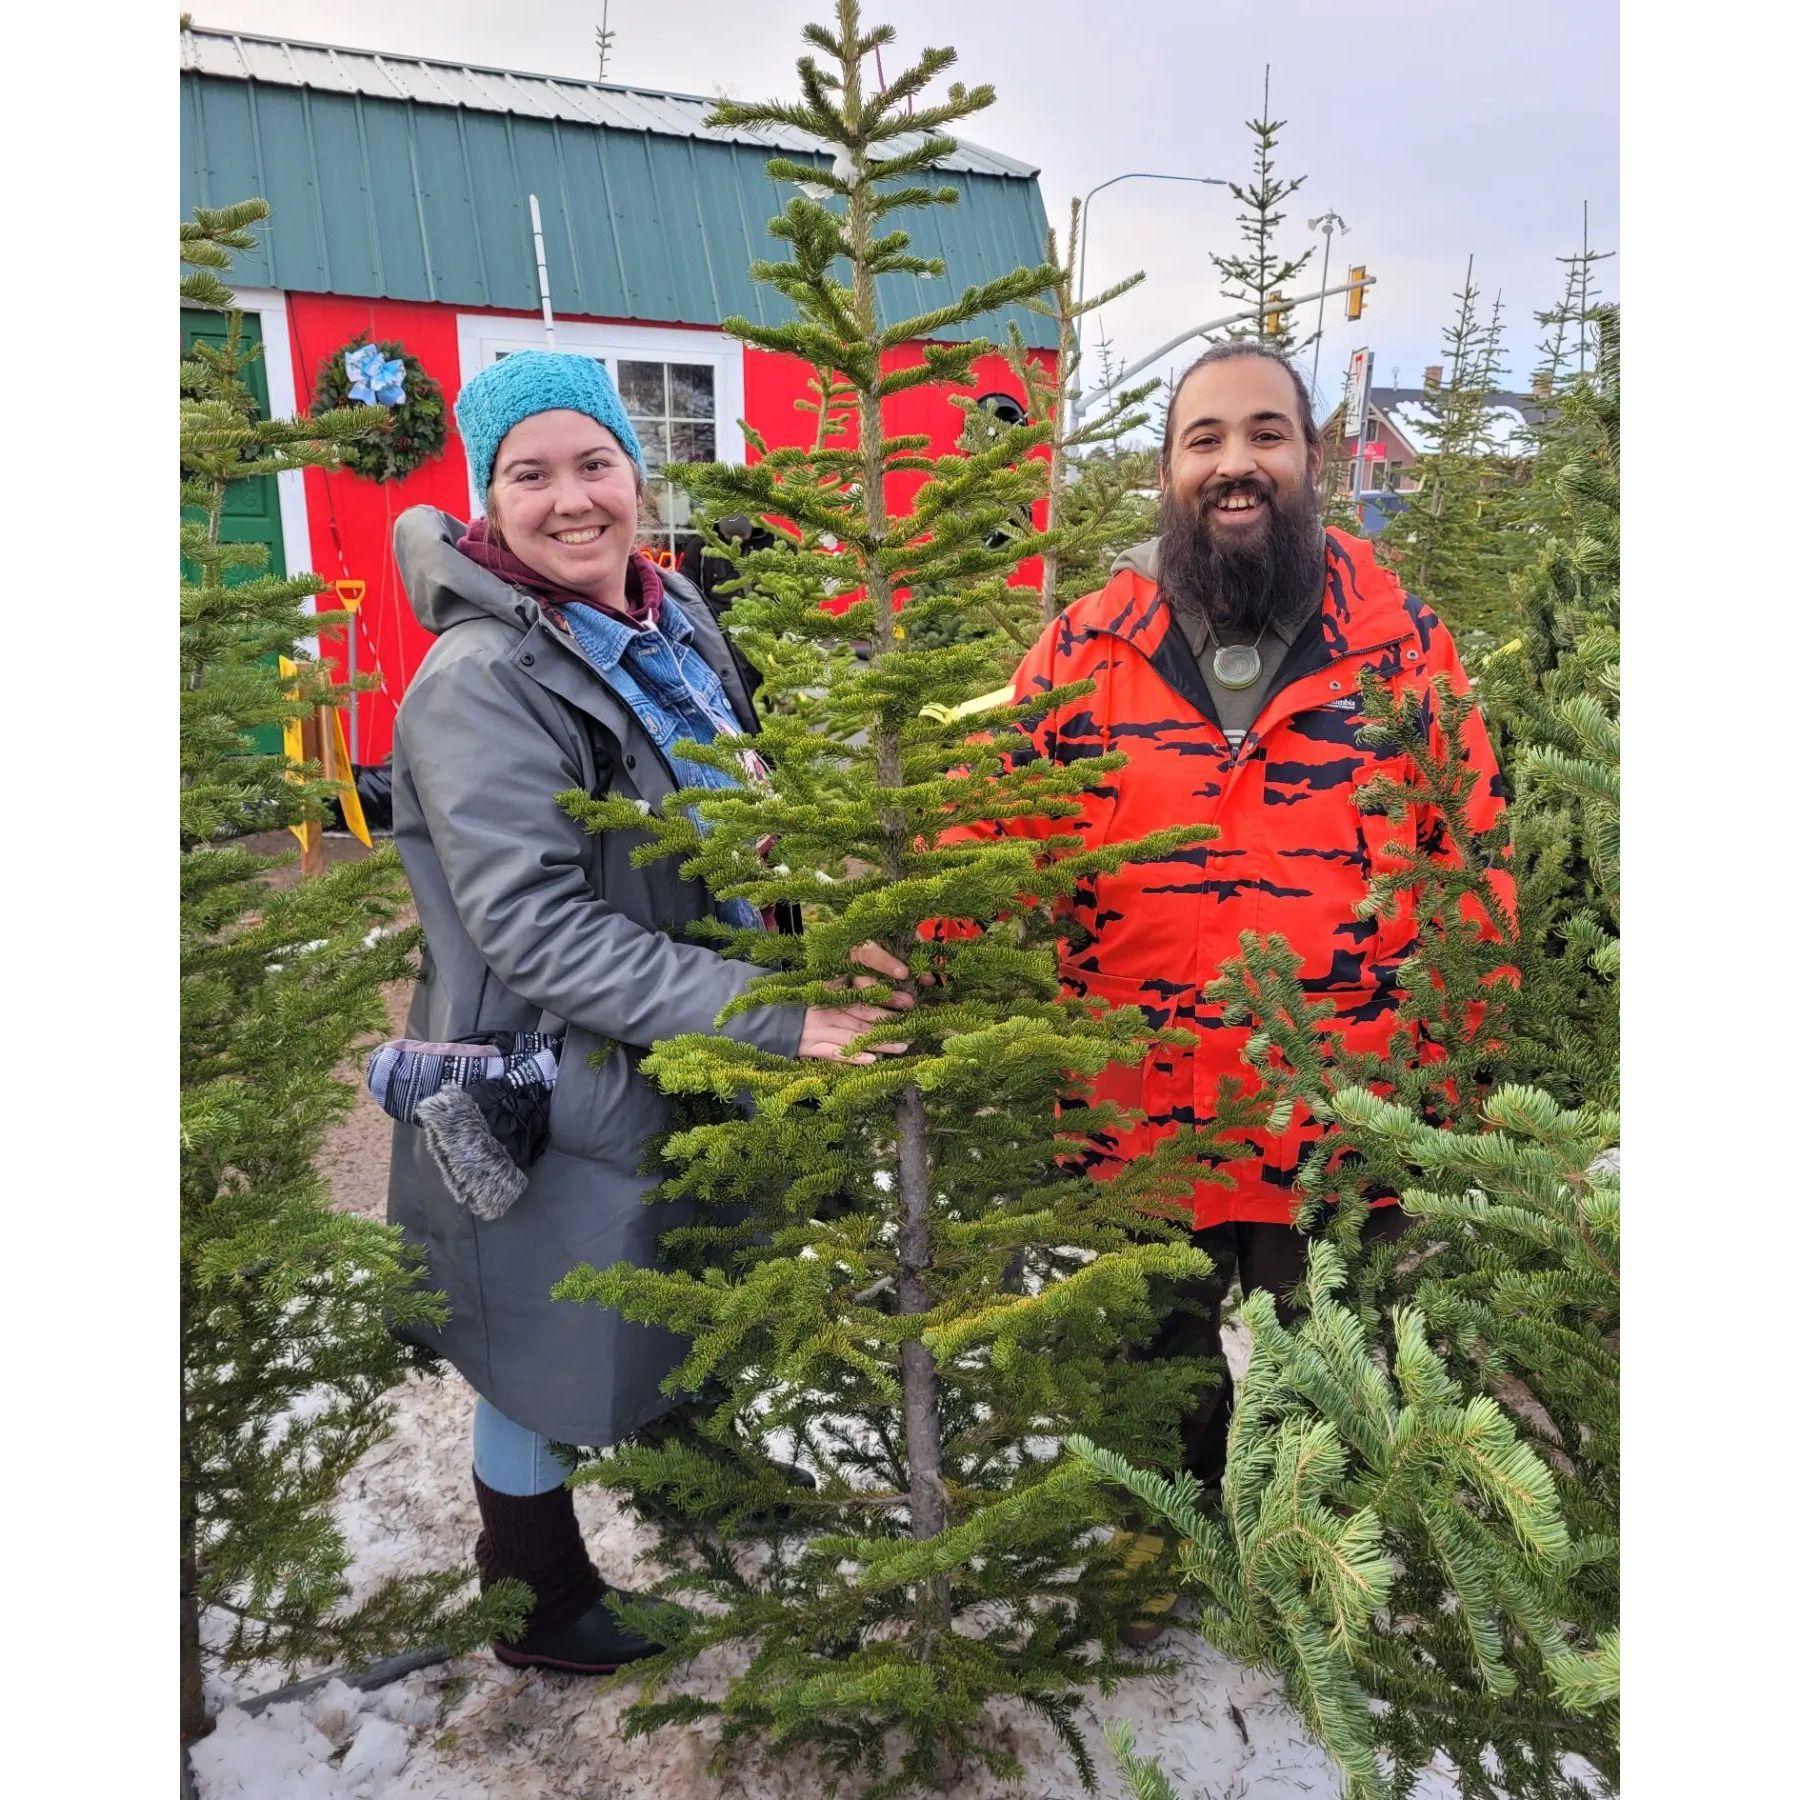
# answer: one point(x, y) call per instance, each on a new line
point(918, 1370)
point(1065, 350)
point(194, 1722)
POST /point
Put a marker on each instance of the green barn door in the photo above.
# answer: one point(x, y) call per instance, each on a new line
point(252, 508)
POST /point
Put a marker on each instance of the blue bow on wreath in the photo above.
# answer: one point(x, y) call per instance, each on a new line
point(374, 379)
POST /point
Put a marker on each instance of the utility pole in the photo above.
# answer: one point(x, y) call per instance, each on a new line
point(1327, 222)
point(1082, 402)
point(1087, 200)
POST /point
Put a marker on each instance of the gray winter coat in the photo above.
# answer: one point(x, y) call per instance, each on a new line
point(533, 924)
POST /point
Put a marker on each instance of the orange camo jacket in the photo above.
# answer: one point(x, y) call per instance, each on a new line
point(1294, 854)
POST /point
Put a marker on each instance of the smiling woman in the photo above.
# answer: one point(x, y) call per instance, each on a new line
point(564, 498)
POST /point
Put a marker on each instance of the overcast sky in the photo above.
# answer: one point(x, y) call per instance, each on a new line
point(1435, 128)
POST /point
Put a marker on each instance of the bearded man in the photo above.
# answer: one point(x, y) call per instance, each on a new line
point(1227, 655)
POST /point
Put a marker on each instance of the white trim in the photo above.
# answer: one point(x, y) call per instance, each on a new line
point(270, 307)
point(481, 337)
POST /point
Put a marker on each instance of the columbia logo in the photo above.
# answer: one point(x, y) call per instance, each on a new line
point(1343, 705)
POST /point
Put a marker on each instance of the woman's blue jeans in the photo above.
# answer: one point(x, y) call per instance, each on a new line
point(511, 1459)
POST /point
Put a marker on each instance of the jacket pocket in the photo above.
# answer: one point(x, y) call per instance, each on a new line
point(1386, 846)
point(606, 1113)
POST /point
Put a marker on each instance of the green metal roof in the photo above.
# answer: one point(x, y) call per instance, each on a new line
point(648, 214)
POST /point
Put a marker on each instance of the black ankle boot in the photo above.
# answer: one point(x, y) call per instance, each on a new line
point(535, 1538)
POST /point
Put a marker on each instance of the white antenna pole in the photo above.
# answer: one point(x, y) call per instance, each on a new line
point(537, 237)
point(603, 37)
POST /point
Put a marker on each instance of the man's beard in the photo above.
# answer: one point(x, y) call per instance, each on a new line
point(1240, 586)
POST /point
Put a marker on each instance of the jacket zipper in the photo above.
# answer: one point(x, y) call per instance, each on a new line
point(1271, 718)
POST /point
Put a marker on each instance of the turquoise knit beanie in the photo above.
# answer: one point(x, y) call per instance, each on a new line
point(530, 382)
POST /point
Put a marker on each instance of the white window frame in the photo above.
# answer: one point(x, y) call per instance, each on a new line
point(271, 310)
point(482, 337)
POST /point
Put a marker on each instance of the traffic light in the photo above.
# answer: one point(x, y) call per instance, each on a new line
point(1271, 323)
point(1353, 301)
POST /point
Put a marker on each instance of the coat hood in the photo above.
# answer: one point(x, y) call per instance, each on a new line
point(442, 585)
point(1140, 559)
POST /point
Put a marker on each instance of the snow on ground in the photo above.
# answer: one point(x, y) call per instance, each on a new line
point(472, 1729)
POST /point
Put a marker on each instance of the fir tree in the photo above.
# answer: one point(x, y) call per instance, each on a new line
point(1574, 325)
point(1104, 491)
point(1554, 699)
point(1091, 511)
point(1451, 545)
point(286, 1304)
point(1259, 272)
point(902, 1267)
point(1567, 351)
point(1339, 475)
point(1109, 502)
point(1090, 506)
point(1419, 1524)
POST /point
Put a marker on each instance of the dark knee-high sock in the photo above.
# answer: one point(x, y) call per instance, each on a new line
point(535, 1537)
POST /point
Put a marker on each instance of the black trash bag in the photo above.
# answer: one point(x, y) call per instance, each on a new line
point(375, 789)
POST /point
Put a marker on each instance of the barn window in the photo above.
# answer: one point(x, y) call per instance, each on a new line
point(671, 406)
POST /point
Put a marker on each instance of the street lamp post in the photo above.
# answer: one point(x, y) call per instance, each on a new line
point(1081, 403)
point(1327, 222)
point(1134, 175)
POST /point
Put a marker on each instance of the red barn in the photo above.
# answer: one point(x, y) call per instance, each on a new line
point(399, 193)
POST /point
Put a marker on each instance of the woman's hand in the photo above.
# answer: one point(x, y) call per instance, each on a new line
point(829, 1028)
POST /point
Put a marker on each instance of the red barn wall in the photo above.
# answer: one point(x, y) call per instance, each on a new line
point(351, 520)
point(775, 384)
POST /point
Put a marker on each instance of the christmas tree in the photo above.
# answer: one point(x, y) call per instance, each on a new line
point(1108, 503)
point(1419, 1524)
point(1339, 474)
point(1091, 503)
point(1258, 273)
point(1452, 546)
point(1570, 345)
point(1553, 694)
point(1567, 351)
point(286, 1304)
point(903, 1275)
point(1092, 510)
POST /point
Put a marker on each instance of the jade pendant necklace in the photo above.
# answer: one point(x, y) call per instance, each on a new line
point(1238, 666)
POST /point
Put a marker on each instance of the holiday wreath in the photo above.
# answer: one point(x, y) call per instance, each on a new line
point(390, 376)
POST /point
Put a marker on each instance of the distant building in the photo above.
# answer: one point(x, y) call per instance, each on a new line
point(1399, 433)
point(398, 194)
